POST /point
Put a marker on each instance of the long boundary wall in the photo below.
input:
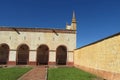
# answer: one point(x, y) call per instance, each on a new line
point(101, 58)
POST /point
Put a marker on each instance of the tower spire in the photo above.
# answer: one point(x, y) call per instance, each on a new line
point(73, 18)
point(73, 14)
point(73, 24)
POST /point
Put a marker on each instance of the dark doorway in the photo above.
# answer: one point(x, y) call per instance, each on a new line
point(22, 55)
point(4, 53)
point(61, 55)
point(42, 55)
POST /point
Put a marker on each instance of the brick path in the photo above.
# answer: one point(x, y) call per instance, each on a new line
point(38, 73)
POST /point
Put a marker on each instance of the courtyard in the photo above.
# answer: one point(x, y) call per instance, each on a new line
point(70, 73)
point(38, 73)
point(13, 73)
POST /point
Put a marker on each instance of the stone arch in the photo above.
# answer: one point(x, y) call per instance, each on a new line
point(22, 54)
point(4, 53)
point(42, 55)
point(61, 55)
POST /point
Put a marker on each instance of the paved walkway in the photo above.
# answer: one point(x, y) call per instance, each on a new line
point(38, 73)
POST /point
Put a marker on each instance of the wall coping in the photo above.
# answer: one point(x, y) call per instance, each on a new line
point(100, 40)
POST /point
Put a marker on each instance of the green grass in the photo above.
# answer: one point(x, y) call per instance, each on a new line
point(69, 74)
point(12, 73)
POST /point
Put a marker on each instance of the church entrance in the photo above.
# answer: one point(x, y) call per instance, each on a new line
point(4, 53)
point(42, 55)
point(61, 55)
point(22, 55)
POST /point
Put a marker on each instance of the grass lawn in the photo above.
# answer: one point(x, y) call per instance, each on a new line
point(69, 74)
point(12, 73)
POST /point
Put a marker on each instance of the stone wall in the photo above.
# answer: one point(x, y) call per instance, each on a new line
point(101, 57)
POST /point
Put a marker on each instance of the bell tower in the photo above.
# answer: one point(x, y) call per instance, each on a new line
point(73, 23)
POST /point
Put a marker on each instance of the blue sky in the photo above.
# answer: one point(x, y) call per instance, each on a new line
point(96, 19)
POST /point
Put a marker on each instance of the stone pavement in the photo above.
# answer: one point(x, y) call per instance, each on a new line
point(37, 73)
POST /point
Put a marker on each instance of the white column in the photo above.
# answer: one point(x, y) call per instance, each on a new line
point(12, 56)
point(32, 56)
point(70, 57)
point(52, 57)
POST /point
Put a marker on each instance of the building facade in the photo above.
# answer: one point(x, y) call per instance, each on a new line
point(37, 46)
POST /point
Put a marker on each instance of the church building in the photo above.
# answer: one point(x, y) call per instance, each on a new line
point(37, 46)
